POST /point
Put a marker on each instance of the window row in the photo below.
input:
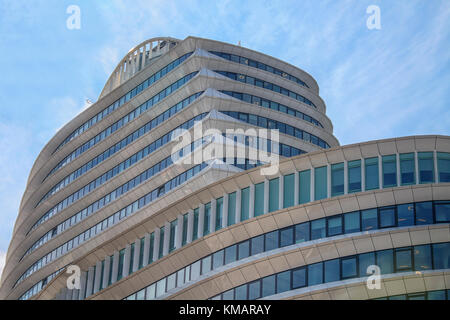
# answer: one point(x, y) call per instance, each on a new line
point(272, 105)
point(125, 98)
point(124, 142)
point(273, 124)
point(116, 193)
point(266, 85)
point(259, 65)
point(111, 220)
point(113, 128)
point(94, 184)
point(386, 171)
point(415, 258)
point(377, 218)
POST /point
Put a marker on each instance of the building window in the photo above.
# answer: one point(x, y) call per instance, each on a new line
point(315, 274)
point(352, 222)
point(405, 215)
point(385, 261)
point(173, 232)
point(426, 167)
point(441, 255)
point(218, 258)
point(389, 171)
point(254, 290)
point(354, 176)
point(332, 270)
point(283, 281)
point(268, 286)
point(371, 173)
point(337, 179)
point(219, 213)
point(286, 237)
point(185, 229)
point(288, 188)
point(407, 169)
point(245, 201)
point(369, 219)
point(196, 220)
point(302, 232)
point(299, 278)
point(161, 242)
point(387, 217)
point(320, 183)
point(424, 213)
point(334, 226)
point(272, 240)
point(259, 199)
point(305, 186)
point(207, 219)
point(443, 163)
point(257, 244)
point(243, 249)
point(273, 194)
point(318, 229)
point(422, 257)
point(403, 259)
point(365, 260)
point(348, 267)
point(230, 254)
point(231, 208)
point(442, 210)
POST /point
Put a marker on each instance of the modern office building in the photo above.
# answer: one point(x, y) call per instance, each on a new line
point(107, 195)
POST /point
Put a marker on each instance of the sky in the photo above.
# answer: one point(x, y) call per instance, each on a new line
point(376, 83)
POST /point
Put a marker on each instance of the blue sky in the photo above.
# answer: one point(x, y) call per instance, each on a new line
point(376, 83)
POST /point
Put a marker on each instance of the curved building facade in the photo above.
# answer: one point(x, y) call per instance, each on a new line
point(121, 195)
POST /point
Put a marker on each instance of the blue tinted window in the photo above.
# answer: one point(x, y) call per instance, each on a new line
point(268, 286)
point(245, 201)
point(366, 260)
point(422, 257)
point(288, 191)
point(315, 274)
point(403, 259)
point(286, 237)
point(337, 179)
point(320, 183)
point(230, 254)
point(387, 217)
point(442, 211)
point(272, 240)
point(259, 199)
point(426, 167)
point(332, 270)
point(318, 229)
point(334, 226)
point(369, 219)
point(240, 293)
point(305, 186)
point(231, 209)
point(443, 163)
point(302, 232)
point(371, 173)
point(218, 259)
point(405, 215)
point(385, 261)
point(389, 171)
point(257, 244)
point(351, 222)
point(441, 255)
point(298, 278)
point(407, 169)
point(243, 249)
point(354, 176)
point(254, 290)
point(348, 267)
point(273, 194)
point(283, 281)
point(424, 213)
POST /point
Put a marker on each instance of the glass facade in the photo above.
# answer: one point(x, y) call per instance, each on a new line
point(345, 268)
point(320, 183)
